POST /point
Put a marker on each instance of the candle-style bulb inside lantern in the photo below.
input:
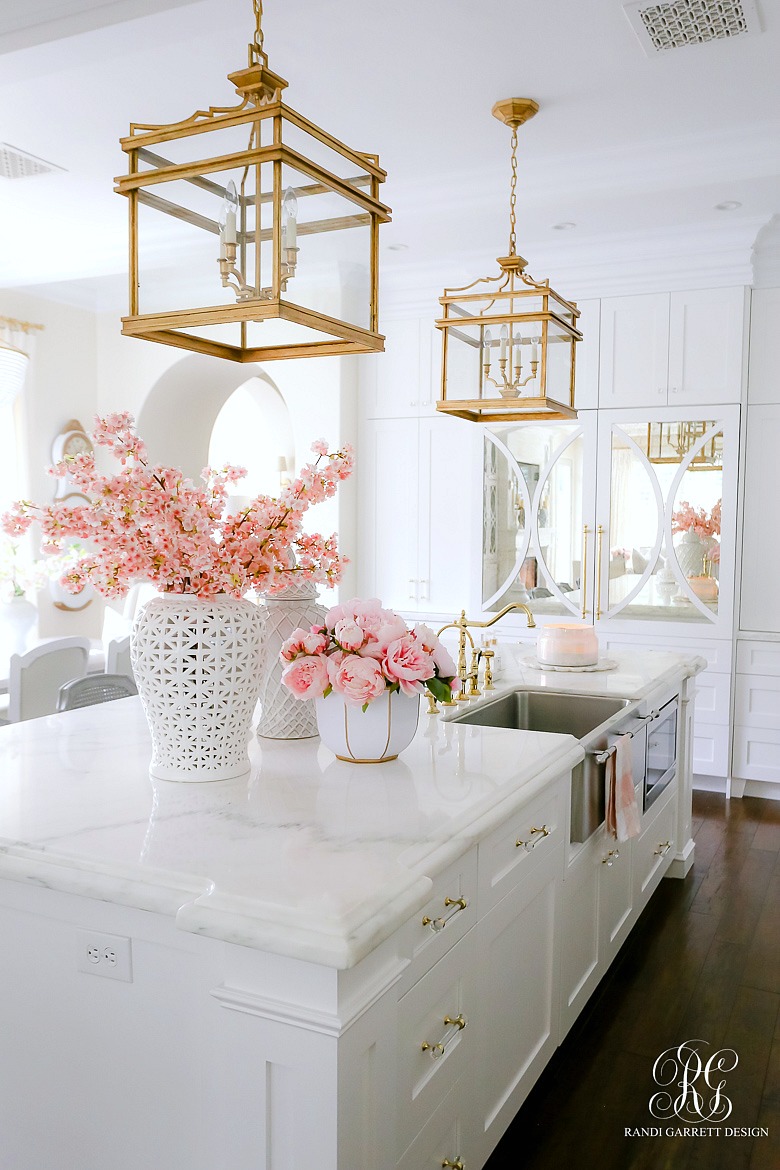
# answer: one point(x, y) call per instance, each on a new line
point(504, 335)
point(227, 215)
point(289, 219)
point(487, 341)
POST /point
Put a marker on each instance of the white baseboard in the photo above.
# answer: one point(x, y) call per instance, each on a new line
point(765, 789)
point(711, 784)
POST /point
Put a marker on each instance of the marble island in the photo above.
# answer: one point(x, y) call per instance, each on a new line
point(308, 901)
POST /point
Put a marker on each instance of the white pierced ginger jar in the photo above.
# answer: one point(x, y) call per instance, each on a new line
point(372, 736)
point(196, 662)
point(690, 554)
point(282, 715)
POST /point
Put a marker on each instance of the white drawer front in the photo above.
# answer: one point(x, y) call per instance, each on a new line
point(756, 753)
point(426, 1074)
point(653, 850)
point(710, 749)
point(713, 698)
point(758, 701)
point(758, 658)
point(444, 919)
point(512, 852)
point(448, 1138)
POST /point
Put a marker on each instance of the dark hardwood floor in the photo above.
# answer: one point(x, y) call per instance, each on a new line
point(703, 963)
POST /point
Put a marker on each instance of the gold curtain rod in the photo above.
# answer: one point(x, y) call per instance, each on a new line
point(20, 326)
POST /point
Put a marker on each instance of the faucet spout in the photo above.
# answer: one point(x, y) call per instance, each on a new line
point(462, 625)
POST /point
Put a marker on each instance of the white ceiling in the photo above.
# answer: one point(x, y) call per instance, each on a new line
point(628, 147)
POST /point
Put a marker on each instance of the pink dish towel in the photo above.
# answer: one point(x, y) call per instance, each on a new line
point(622, 812)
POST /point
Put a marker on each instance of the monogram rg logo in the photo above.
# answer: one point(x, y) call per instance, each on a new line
point(692, 1086)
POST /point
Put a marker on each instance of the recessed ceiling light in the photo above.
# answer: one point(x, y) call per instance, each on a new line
point(728, 205)
point(563, 227)
point(398, 247)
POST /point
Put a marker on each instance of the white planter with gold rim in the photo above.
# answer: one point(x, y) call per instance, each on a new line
point(379, 733)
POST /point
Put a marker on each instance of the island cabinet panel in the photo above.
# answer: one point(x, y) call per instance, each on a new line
point(449, 1136)
point(516, 849)
point(437, 1043)
point(656, 846)
point(616, 902)
point(518, 994)
point(448, 914)
point(580, 949)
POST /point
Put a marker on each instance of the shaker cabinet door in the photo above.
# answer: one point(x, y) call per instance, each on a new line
point(634, 350)
point(706, 332)
point(387, 518)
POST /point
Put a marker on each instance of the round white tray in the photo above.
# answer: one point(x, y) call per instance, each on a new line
point(602, 664)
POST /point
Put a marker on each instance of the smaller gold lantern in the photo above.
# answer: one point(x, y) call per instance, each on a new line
point(265, 225)
point(508, 341)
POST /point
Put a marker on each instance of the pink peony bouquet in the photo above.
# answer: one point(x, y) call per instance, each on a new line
point(362, 651)
point(704, 524)
point(150, 523)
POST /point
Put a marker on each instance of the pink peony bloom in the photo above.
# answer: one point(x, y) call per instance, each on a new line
point(358, 679)
point(441, 656)
point(302, 641)
point(406, 662)
point(306, 677)
point(349, 634)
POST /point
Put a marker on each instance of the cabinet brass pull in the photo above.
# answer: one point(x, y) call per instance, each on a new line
point(453, 1026)
point(611, 857)
point(437, 924)
point(664, 847)
point(456, 1165)
point(535, 836)
point(599, 551)
point(584, 573)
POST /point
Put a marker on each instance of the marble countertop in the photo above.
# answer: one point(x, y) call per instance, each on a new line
point(309, 857)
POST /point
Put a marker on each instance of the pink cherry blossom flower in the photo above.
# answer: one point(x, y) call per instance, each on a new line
point(359, 680)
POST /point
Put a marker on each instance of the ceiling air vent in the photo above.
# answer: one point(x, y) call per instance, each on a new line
point(690, 22)
point(17, 164)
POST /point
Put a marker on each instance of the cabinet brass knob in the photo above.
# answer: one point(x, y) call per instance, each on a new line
point(456, 1165)
point(453, 1026)
point(664, 847)
point(611, 857)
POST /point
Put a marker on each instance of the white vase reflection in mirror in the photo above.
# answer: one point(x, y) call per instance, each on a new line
point(665, 498)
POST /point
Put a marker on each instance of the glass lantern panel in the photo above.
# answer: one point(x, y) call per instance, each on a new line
point(331, 270)
point(472, 354)
point(180, 227)
point(326, 156)
point(532, 534)
point(559, 362)
point(662, 478)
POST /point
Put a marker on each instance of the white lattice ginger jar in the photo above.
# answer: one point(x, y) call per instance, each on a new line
point(282, 716)
point(690, 552)
point(196, 662)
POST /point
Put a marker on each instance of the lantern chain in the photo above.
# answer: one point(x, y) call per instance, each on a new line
point(256, 47)
point(513, 196)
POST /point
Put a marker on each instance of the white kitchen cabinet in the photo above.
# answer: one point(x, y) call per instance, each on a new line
point(518, 992)
point(764, 368)
point(760, 596)
point(680, 348)
point(411, 553)
point(402, 381)
point(756, 749)
point(586, 379)
point(655, 846)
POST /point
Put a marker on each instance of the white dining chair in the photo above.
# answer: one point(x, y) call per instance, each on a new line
point(94, 688)
point(118, 656)
point(35, 678)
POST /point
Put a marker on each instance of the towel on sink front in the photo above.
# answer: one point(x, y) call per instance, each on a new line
point(622, 813)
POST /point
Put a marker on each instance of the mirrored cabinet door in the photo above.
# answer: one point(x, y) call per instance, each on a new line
point(538, 517)
point(666, 494)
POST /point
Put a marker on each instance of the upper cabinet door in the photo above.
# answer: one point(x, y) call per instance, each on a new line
point(586, 378)
point(398, 383)
point(633, 361)
point(764, 375)
point(706, 335)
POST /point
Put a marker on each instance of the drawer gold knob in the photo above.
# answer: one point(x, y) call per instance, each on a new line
point(437, 924)
point(534, 837)
point(453, 1026)
point(611, 857)
point(664, 847)
point(456, 1165)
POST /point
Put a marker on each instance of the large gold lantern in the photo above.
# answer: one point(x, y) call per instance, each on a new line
point(264, 225)
point(508, 341)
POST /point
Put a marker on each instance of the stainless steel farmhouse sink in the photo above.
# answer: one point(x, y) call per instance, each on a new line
point(556, 711)
point(592, 719)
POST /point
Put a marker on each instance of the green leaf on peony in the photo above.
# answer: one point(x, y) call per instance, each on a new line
point(440, 689)
point(328, 691)
point(364, 708)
